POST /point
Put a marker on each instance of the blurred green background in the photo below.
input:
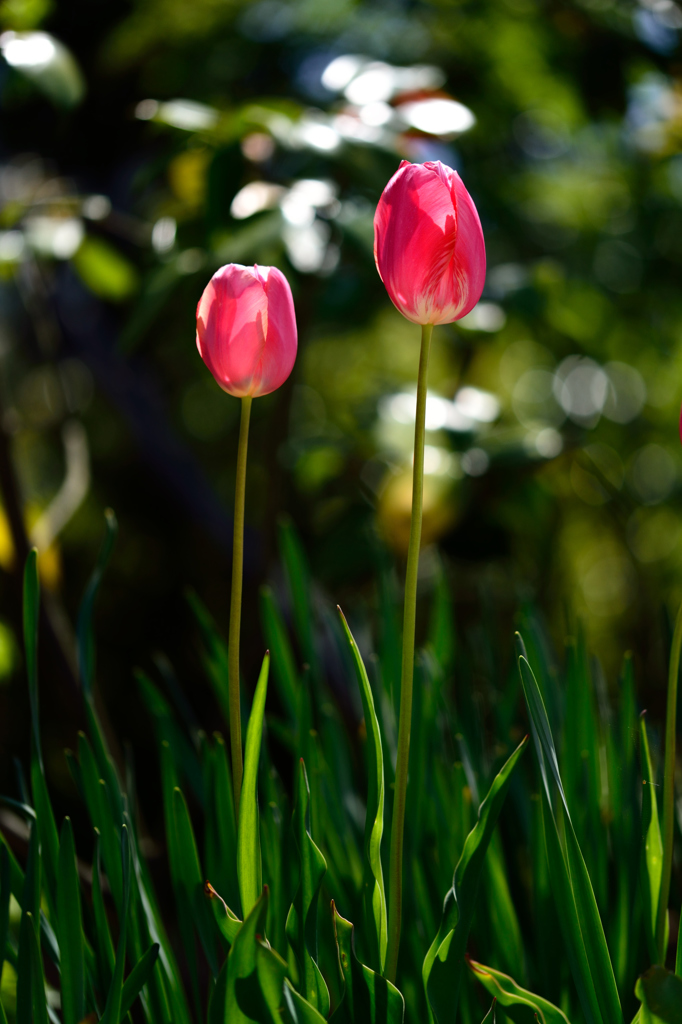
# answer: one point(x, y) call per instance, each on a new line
point(144, 144)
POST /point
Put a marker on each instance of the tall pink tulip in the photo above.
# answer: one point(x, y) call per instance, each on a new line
point(246, 335)
point(428, 244)
point(430, 254)
point(246, 329)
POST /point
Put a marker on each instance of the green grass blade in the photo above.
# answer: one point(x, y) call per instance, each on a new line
point(298, 1010)
point(652, 847)
point(70, 930)
point(298, 578)
point(104, 947)
point(522, 1006)
point(283, 661)
point(220, 841)
point(301, 925)
point(373, 884)
point(249, 866)
point(192, 880)
point(576, 904)
point(112, 1010)
point(367, 996)
point(38, 997)
point(228, 922)
point(86, 644)
point(678, 954)
point(138, 978)
point(215, 652)
point(5, 893)
point(241, 962)
point(442, 970)
point(47, 829)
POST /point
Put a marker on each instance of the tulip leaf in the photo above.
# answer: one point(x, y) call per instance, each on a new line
point(442, 970)
point(138, 978)
point(249, 867)
point(228, 923)
point(301, 925)
point(70, 930)
point(367, 996)
point(583, 931)
point(660, 992)
point(298, 1010)
point(652, 850)
point(374, 895)
point(521, 1006)
point(255, 973)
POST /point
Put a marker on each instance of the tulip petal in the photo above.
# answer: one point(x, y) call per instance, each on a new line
point(246, 329)
point(415, 232)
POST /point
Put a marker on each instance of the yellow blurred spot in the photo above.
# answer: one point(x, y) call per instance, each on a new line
point(187, 176)
point(49, 560)
point(395, 509)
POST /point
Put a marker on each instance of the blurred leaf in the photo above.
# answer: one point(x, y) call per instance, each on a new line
point(301, 926)
point(521, 1006)
point(86, 642)
point(104, 947)
point(660, 993)
point(31, 615)
point(70, 930)
point(442, 970)
point(374, 894)
point(249, 866)
point(24, 14)
point(277, 640)
point(49, 65)
point(298, 578)
point(104, 270)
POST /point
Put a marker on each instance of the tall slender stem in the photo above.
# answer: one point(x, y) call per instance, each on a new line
point(669, 788)
point(236, 606)
point(395, 875)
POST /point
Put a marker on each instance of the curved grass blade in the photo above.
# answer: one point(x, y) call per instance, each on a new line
point(442, 970)
point(660, 992)
point(576, 903)
point(241, 962)
point(652, 849)
point(220, 840)
point(367, 997)
point(138, 978)
point(248, 833)
point(301, 925)
point(112, 1010)
point(374, 893)
point(521, 1006)
point(228, 923)
point(298, 1010)
point(70, 930)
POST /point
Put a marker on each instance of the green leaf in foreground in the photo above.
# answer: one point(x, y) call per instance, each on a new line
point(301, 926)
point(652, 850)
point(138, 978)
point(373, 886)
point(660, 992)
point(367, 998)
point(442, 970)
point(248, 834)
point(577, 909)
point(521, 1006)
point(70, 930)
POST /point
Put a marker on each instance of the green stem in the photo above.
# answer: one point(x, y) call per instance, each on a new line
point(395, 875)
point(236, 606)
point(669, 788)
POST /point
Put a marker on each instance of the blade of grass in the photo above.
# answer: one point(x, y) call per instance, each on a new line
point(301, 925)
point(652, 847)
point(249, 866)
point(104, 946)
point(442, 970)
point(70, 930)
point(513, 997)
point(192, 880)
point(138, 978)
point(373, 884)
point(669, 790)
point(283, 662)
point(112, 1010)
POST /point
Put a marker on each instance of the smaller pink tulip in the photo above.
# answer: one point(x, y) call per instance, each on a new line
point(428, 244)
point(246, 329)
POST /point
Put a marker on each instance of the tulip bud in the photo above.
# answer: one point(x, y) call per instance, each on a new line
point(428, 244)
point(246, 329)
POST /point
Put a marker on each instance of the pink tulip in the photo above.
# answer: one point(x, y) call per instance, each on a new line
point(428, 244)
point(246, 329)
